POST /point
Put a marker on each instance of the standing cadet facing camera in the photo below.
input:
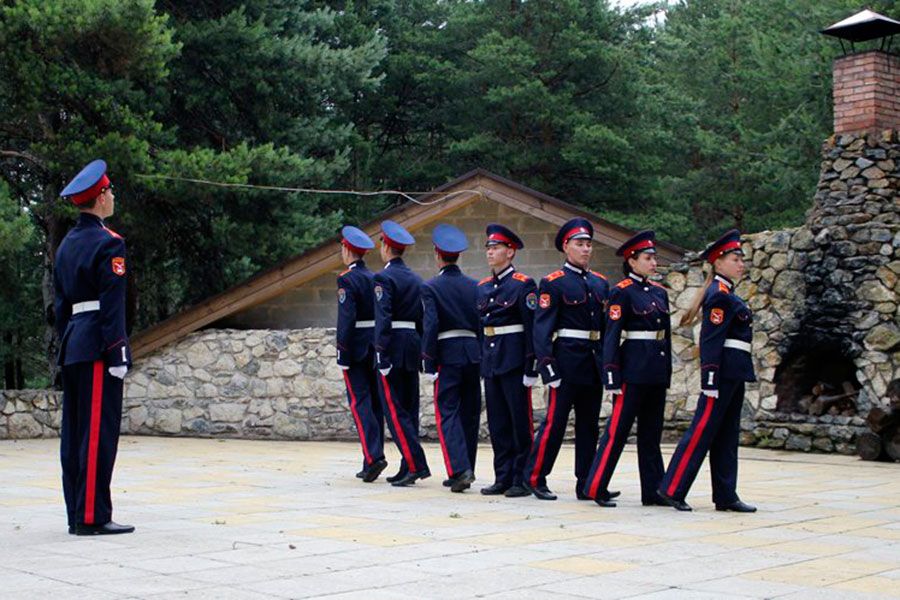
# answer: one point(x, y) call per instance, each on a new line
point(568, 334)
point(450, 357)
point(507, 300)
point(637, 364)
point(89, 279)
point(398, 323)
point(725, 365)
point(355, 353)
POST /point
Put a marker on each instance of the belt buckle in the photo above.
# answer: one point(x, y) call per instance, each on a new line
point(489, 330)
point(595, 335)
point(660, 334)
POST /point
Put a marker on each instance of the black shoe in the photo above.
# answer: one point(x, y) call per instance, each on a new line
point(447, 482)
point(516, 491)
point(497, 488)
point(374, 470)
point(736, 506)
point(676, 504)
point(361, 474)
point(604, 501)
point(579, 490)
point(110, 528)
point(71, 530)
point(463, 481)
point(654, 502)
point(541, 492)
point(397, 476)
point(411, 478)
point(612, 495)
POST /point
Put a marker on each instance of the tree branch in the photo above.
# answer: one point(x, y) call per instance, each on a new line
point(24, 156)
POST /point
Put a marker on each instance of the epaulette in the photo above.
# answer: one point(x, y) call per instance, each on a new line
point(599, 274)
point(485, 280)
point(555, 275)
point(625, 283)
point(112, 233)
point(724, 288)
point(520, 276)
point(344, 273)
point(657, 284)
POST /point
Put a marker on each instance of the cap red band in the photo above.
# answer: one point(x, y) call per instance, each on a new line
point(499, 237)
point(353, 248)
point(574, 231)
point(90, 193)
point(727, 247)
point(392, 243)
point(642, 245)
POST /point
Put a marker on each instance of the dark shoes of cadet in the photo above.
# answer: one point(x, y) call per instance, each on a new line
point(736, 506)
point(495, 489)
point(361, 474)
point(411, 477)
point(374, 470)
point(516, 491)
point(541, 492)
point(110, 528)
point(676, 504)
point(397, 476)
point(463, 481)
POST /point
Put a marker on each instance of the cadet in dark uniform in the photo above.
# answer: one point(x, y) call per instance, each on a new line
point(637, 365)
point(725, 365)
point(355, 352)
point(398, 346)
point(89, 279)
point(568, 333)
point(451, 356)
point(507, 300)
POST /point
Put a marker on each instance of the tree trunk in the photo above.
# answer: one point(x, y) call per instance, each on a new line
point(55, 229)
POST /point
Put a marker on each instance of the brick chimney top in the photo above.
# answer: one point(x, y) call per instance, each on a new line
point(866, 92)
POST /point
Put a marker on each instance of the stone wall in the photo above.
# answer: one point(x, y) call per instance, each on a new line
point(29, 413)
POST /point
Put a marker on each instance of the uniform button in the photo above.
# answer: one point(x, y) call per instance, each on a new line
point(492, 344)
point(495, 285)
point(492, 299)
point(662, 353)
point(658, 321)
point(646, 289)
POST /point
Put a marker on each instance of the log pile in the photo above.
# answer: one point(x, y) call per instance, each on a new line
point(883, 442)
point(826, 399)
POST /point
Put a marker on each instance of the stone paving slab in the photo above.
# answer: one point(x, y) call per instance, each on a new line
point(222, 519)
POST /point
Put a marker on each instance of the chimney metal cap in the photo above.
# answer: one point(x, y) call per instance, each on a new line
point(864, 25)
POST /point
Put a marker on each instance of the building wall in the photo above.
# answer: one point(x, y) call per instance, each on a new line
point(313, 303)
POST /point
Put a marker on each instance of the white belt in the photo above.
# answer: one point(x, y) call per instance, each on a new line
point(364, 324)
point(456, 333)
point(738, 345)
point(88, 306)
point(581, 334)
point(658, 334)
point(490, 331)
point(403, 325)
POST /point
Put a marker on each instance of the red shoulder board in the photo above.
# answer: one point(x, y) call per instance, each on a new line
point(723, 288)
point(657, 284)
point(625, 283)
point(520, 276)
point(344, 273)
point(599, 274)
point(112, 233)
point(555, 275)
point(485, 280)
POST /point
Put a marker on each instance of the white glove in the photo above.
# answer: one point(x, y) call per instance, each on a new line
point(711, 393)
point(529, 381)
point(432, 377)
point(555, 383)
point(119, 371)
point(385, 371)
point(344, 367)
point(615, 392)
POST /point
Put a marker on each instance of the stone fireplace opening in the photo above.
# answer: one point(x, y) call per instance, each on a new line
point(817, 379)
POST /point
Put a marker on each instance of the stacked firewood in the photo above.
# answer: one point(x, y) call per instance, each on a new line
point(827, 399)
point(883, 442)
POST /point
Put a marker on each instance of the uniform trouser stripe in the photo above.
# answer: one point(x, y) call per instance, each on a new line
point(398, 428)
point(618, 401)
point(440, 426)
point(695, 439)
point(542, 447)
point(356, 418)
point(93, 442)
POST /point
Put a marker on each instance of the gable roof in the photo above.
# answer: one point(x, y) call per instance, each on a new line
point(326, 256)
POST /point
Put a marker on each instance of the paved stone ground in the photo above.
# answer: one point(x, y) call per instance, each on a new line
point(247, 519)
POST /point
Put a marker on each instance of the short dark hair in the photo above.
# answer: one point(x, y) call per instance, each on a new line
point(396, 251)
point(450, 258)
point(90, 204)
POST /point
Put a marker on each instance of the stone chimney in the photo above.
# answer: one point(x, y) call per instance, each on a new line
point(866, 92)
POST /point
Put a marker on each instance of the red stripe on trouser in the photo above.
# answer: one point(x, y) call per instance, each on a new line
point(359, 425)
point(548, 425)
point(404, 446)
point(437, 419)
point(695, 439)
point(93, 442)
point(618, 401)
point(530, 414)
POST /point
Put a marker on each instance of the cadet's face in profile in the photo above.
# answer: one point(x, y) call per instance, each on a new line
point(499, 255)
point(730, 265)
point(578, 252)
point(643, 264)
point(108, 201)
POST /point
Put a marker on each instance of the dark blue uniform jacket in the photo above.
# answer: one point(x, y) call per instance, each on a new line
point(356, 302)
point(508, 298)
point(398, 297)
point(449, 302)
point(725, 316)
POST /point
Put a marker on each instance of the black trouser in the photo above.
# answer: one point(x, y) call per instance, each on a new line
point(89, 438)
point(647, 403)
point(510, 424)
point(400, 396)
point(457, 413)
point(715, 429)
point(585, 398)
point(365, 406)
